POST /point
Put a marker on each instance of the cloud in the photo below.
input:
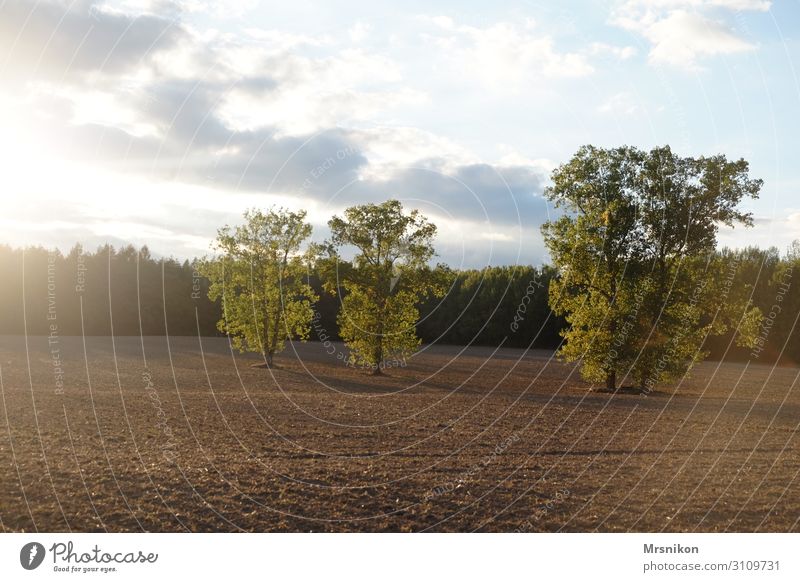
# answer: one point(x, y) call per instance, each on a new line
point(682, 38)
point(622, 53)
point(390, 148)
point(329, 168)
point(496, 236)
point(68, 41)
point(769, 231)
point(281, 41)
point(220, 9)
point(316, 93)
point(504, 55)
point(682, 33)
point(491, 195)
point(257, 116)
point(159, 109)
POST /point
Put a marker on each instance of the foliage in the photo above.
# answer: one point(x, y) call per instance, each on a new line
point(383, 283)
point(261, 279)
point(128, 291)
point(503, 305)
point(640, 282)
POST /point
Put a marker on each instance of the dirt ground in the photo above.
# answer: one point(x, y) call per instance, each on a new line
point(183, 434)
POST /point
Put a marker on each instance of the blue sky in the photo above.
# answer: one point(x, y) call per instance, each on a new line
point(156, 122)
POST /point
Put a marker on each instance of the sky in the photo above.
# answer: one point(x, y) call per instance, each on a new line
point(156, 122)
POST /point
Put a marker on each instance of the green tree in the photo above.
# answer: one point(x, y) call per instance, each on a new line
point(640, 284)
point(260, 276)
point(385, 281)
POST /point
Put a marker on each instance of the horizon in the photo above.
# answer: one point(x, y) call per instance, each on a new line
point(117, 246)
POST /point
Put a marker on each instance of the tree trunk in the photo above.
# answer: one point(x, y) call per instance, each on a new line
point(378, 358)
point(644, 386)
point(274, 339)
point(265, 347)
point(611, 375)
point(377, 354)
point(269, 357)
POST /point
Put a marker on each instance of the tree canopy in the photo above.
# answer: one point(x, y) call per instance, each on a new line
point(640, 284)
point(385, 280)
point(260, 277)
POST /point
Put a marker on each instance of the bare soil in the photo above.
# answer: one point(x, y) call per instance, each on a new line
point(185, 435)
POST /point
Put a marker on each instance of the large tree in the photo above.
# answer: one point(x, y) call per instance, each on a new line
point(383, 284)
point(640, 284)
point(260, 275)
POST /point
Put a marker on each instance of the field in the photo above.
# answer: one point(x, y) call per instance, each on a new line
point(157, 435)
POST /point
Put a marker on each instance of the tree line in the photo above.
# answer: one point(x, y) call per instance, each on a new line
point(479, 307)
point(126, 291)
point(118, 286)
point(637, 291)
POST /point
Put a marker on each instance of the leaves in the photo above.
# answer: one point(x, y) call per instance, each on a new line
point(639, 280)
point(384, 282)
point(261, 278)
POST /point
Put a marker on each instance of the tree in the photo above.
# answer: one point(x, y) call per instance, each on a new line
point(385, 281)
point(260, 278)
point(640, 283)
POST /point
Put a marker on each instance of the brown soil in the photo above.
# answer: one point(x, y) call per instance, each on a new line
point(481, 439)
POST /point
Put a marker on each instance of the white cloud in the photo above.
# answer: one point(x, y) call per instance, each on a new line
point(196, 118)
point(282, 41)
point(70, 41)
point(259, 80)
point(103, 107)
point(622, 53)
point(315, 93)
point(684, 32)
point(224, 9)
point(209, 115)
point(505, 55)
point(777, 231)
point(496, 236)
point(682, 38)
point(390, 149)
point(511, 157)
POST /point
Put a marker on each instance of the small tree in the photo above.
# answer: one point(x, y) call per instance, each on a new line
point(640, 284)
point(260, 278)
point(383, 284)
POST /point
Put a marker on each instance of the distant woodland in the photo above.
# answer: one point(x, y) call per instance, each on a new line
point(127, 291)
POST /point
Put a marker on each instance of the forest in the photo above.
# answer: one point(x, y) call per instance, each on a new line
point(128, 291)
